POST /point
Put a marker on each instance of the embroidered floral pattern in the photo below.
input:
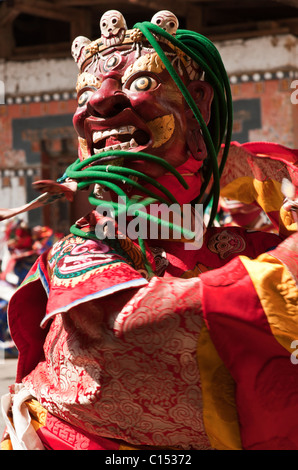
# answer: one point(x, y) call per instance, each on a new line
point(129, 375)
point(73, 256)
point(226, 243)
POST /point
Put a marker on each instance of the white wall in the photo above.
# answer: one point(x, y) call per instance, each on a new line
point(38, 76)
point(262, 54)
point(13, 195)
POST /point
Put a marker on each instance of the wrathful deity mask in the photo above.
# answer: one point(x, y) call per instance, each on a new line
point(143, 92)
point(128, 101)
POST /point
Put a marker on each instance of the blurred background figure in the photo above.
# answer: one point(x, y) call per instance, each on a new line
point(20, 246)
point(233, 213)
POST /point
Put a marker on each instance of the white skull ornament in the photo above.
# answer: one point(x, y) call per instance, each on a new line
point(166, 20)
point(112, 27)
point(77, 48)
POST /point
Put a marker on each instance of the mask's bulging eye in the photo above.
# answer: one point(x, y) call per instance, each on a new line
point(84, 97)
point(143, 84)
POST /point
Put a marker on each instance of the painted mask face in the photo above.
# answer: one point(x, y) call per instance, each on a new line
point(128, 101)
point(125, 103)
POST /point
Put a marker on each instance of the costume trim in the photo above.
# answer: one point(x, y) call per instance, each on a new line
point(110, 290)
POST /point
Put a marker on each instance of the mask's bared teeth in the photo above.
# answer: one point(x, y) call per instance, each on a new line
point(122, 146)
point(125, 146)
point(100, 135)
point(133, 143)
point(126, 130)
point(96, 137)
point(95, 151)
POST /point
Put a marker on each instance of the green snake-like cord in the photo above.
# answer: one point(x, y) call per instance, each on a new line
point(203, 52)
point(99, 169)
point(103, 169)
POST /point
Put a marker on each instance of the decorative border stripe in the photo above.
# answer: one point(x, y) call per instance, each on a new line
point(41, 98)
point(264, 76)
point(234, 79)
point(44, 280)
point(110, 290)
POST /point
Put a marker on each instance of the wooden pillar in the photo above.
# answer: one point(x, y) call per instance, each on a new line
point(195, 18)
point(7, 42)
point(81, 26)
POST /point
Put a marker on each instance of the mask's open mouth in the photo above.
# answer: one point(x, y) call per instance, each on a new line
point(121, 138)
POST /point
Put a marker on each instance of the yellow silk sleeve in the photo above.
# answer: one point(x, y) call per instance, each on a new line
point(218, 390)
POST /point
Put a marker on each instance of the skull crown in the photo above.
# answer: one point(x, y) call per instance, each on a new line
point(112, 27)
point(113, 31)
point(166, 20)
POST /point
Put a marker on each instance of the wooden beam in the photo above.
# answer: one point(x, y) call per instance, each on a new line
point(41, 51)
point(291, 23)
point(76, 3)
point(195, 18)
point(251, 29)
point(6, 42)
point(245, 34)
point(228, 4)
point(82, 26)
point(253, 26)
point(176, 6)
point(7, 14)
point(291, 3)
point(236, 4)
point(46, 9)
point(150, 4)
